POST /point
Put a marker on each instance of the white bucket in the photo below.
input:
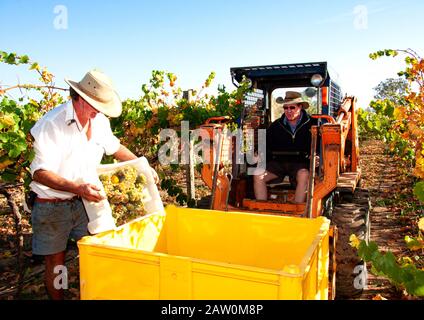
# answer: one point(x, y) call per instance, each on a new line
point(100, 213)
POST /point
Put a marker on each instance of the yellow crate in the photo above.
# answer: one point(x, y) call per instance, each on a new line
point(204, 254)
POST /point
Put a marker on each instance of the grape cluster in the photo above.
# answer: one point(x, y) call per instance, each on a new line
point(124, 190)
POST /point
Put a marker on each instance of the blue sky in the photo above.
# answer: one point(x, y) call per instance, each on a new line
point(129, 39)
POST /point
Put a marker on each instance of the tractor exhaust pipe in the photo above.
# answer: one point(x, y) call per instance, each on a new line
point(218, 135)
point(312, 164)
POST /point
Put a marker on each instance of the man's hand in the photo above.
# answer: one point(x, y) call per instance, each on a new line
point(90, 192)
point(86, 190)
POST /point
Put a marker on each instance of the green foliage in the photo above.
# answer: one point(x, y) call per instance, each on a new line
point(163, 105)
point(391, 89)
point(18, 117)
point(403, 275)
point(398, 107)
point(396, 118)
point(382, 53)
point(15, 143)
point(414, 244)
point(379, 122)
point(170, 185)
point(376, 123)
point(419, 190)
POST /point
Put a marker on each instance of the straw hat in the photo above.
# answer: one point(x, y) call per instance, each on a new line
point(97, 89)
point(293, 97)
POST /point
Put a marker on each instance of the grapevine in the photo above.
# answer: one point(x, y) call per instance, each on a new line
point(399, 122)
point(408, 115)
point(403, 273)
point(18, 117)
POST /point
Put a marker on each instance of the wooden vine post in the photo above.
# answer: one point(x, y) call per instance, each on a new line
point(189, 169)
point(11, 191)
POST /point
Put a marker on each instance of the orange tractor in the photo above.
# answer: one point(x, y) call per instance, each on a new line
point(333, 188)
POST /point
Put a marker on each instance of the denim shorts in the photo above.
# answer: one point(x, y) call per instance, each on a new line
point(283, 169)
point(54, 223)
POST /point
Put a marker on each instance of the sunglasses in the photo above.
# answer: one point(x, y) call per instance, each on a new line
point(291, 108)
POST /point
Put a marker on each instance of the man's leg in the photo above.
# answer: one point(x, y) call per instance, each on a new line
point(51, 225)
point(53, 260)
point(259, 184)
point(302, 177)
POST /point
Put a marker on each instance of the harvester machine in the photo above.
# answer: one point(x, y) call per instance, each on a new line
point(333, 188)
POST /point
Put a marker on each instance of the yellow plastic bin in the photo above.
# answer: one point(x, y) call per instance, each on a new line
point(204, 254)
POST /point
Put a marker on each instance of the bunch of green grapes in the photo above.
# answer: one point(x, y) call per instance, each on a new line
point(124, 190)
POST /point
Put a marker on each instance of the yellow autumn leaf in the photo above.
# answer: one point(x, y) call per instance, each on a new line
point(414, 244)
point(35, 103)
point(406, 261)
point(136, 130)
point(354, 241)
point(7, 120)
point(419, 172)
point(421, 224)
point(34, 66)
point(399, 113)
point(378, 297)
point(46, 76)
point(414, 129)
point(5, 164)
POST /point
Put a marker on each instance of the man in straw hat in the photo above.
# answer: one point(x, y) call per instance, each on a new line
point(288, 148)
point(69, 141)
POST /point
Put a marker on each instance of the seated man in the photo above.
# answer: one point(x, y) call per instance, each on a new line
point(288, 148)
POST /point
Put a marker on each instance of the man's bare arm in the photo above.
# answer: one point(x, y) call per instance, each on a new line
point(123, 154)
point(54, 181)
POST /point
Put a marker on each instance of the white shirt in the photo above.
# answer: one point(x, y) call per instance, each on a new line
point(61, 146)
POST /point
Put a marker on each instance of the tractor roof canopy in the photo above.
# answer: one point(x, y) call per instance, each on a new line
point(282, 75)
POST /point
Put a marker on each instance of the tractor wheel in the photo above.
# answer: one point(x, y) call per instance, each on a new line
point(351, 216)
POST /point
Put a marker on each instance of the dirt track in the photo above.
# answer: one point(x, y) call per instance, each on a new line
point(382, 177)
